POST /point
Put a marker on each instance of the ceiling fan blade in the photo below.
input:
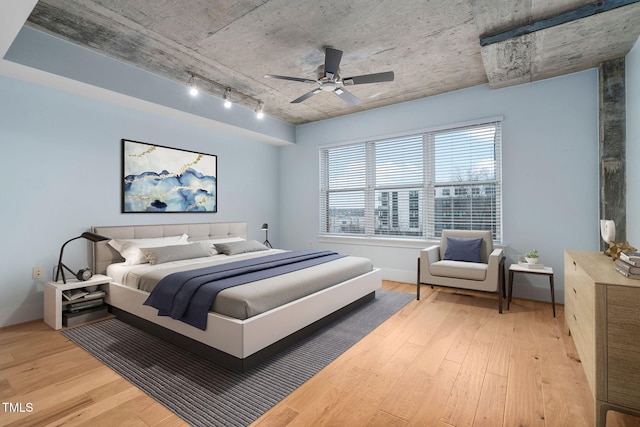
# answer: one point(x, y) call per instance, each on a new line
point(346, 96)
point(332, 59)
point(295, 79)
point(369, 78)
point(306, 96)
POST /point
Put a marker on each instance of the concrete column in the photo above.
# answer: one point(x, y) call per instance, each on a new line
point(613, 189)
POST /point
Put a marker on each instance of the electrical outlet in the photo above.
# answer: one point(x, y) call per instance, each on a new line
point(310, 243)
point(38, 272)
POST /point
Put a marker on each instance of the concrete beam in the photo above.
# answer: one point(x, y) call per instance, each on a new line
point(563, 18)
point(568, 48)
point(613, 189)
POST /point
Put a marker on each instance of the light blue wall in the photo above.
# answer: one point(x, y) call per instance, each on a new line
point(59, 146)
point(550, 171)
point(632, 62)
point(60, 168)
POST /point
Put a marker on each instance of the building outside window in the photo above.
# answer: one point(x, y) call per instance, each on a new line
point(414, 209)
point(414, 186)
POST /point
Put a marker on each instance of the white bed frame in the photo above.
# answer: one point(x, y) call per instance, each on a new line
point(236, 344)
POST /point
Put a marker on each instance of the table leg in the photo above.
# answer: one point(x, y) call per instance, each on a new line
point(503, 279)
point(510, 288)
point(553, 295)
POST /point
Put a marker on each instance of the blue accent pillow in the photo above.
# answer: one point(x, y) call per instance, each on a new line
point(463, 249)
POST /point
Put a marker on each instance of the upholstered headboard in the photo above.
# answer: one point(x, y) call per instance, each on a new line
point(103, 254)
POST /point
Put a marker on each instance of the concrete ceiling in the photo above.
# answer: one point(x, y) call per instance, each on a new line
point(432, 46)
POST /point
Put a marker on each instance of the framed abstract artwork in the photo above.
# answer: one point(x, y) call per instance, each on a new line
point(163, 179)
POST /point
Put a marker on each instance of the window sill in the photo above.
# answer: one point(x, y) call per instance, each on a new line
point(374, 241)
point(386, 242)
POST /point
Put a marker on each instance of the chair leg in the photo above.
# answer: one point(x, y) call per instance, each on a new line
point(418, 282)
point(501, 286)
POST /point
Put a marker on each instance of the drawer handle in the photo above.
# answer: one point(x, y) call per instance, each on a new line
point(574, 291)
point(575, 318)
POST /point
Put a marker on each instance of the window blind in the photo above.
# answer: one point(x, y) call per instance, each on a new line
point(466, 180)
point(398, 186)
point(343, 184)
point(414, 186)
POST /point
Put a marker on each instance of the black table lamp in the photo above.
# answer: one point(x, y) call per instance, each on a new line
point(265, 227)
point(82, 274)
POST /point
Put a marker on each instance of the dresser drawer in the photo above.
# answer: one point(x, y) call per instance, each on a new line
point(623, 352)
point(570, 295)
point(580, 316)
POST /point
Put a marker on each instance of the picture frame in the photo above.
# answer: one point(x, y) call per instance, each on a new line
point(158, 179)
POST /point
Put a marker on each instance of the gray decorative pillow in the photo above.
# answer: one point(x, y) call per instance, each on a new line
point(175, 253)
point(234, 248)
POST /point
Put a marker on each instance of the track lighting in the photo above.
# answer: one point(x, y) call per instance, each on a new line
point(227, 101)
point(260, 110)
point(228, 93)
point(193, 88)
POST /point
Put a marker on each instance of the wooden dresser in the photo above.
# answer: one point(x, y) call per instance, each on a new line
point(602, 314)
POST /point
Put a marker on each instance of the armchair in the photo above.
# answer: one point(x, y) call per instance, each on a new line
point(461, 266)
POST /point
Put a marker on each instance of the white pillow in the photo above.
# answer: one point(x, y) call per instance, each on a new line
point(235, 248)
point(130, 248)
point(175, 253)
point(210, 244)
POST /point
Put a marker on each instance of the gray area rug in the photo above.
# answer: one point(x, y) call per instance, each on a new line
point(204, 394)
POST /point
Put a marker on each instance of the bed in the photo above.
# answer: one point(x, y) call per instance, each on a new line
point(244, 335)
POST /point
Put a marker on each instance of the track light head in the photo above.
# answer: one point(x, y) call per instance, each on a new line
point(227, 100)
point(260, 110)
point(230, 95)
point(193, 88)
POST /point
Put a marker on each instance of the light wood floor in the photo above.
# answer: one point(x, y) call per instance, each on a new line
point(446, 360)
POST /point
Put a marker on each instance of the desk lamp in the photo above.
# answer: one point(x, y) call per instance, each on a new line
point(84, 273)
point(265, 227)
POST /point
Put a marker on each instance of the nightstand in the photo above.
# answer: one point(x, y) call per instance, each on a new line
point(53, 300)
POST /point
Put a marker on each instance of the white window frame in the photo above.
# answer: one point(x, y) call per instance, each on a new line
point(426, 187)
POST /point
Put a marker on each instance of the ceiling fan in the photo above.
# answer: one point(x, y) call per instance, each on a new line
point(330, 80)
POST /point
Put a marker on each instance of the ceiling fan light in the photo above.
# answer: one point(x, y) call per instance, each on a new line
point(329, 86)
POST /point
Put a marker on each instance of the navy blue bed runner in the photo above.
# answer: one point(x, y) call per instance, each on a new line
point(188, 295)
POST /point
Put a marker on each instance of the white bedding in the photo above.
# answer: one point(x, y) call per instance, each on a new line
point(129, 275)
point(250, 299)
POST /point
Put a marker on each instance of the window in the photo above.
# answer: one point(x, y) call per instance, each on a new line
point(414, 186)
